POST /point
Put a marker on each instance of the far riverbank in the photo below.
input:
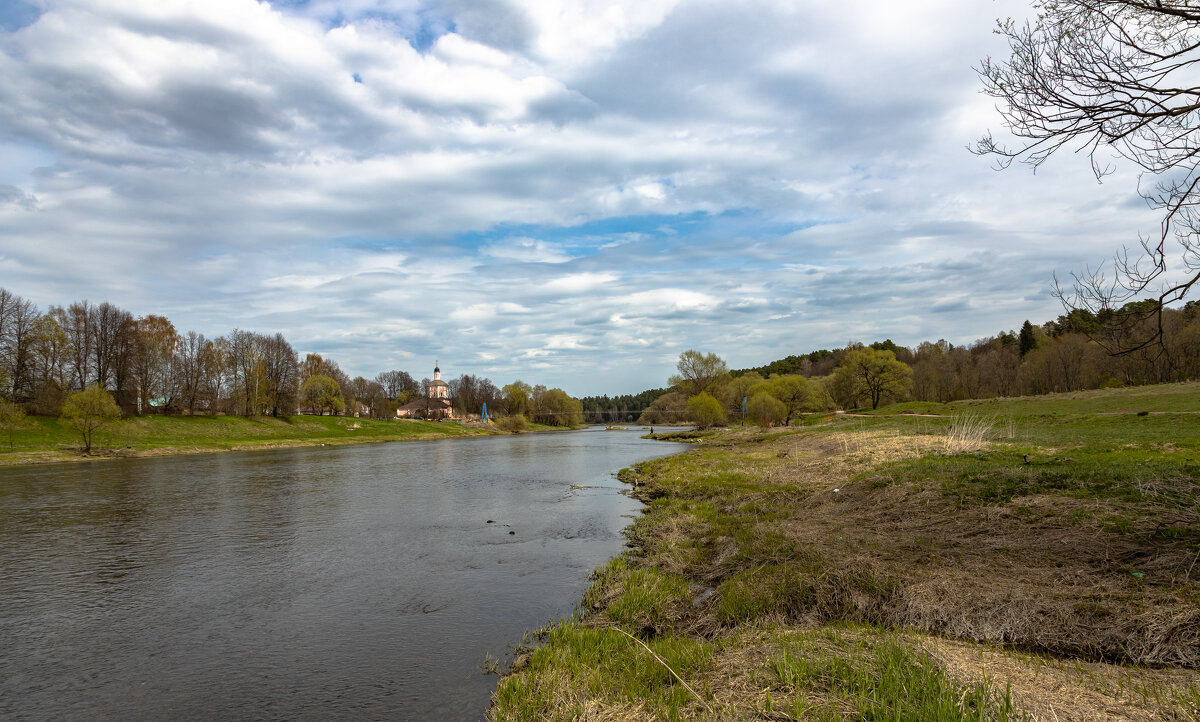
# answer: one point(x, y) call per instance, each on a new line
point(49, 440)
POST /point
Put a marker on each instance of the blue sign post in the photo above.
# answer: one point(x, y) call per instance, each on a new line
point(485, 412)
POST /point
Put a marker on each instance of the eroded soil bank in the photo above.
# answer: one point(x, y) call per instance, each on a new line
point(1016, 560)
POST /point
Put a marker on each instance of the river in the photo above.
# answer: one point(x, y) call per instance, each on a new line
point(353, 582)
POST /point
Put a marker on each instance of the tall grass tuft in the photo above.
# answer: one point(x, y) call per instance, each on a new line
point(968, 432)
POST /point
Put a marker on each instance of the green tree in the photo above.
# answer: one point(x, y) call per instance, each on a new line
point(322, 393)
point(700, 372)
point(867, 372)
point(766, 410)
point(1027, 339)
point(517, 396)
point(704, 410)
point(12, 419)
point(555, 407)
point(88, 411)
point(742, 387)
point(795, 392)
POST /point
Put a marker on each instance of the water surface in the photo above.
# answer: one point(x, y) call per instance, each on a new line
point(358, 582)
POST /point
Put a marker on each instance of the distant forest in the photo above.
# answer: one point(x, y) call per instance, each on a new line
point(148, 367)
point(1059, 355)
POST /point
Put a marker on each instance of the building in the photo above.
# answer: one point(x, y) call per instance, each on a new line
point(435, 405)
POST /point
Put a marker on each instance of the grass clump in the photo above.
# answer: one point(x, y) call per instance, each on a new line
point(880, 679)
point(579, 670)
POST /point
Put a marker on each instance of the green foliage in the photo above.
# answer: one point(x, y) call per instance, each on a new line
point(88, 411)
point(514, 424)
point(704, 410)
point(517, 398)
point(12, 419)
point(871, 374)
point(700, 373)
point(555, 408)
point(1027, 339)
point(322, 393)
point(766, 410)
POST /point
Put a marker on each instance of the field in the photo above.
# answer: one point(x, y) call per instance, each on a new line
point(50, 439)
point(1031, 558)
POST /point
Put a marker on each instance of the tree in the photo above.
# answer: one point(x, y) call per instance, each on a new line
point(1113, 76)
point(873, 374)
point(90, 410)
point(322, 393)
point(1028, 341)
point(704, 410)
point(700, 372)
point(398, 385)
point(766, 410)
point(555, 407)
point(669, 408)
point(12, 419)
point(517, 396)
point(796, 394)
point(154, 344)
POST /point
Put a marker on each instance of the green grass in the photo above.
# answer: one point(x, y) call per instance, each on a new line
point(53, 438)
point(928, 529)
point(876, 677)
point(577, 666)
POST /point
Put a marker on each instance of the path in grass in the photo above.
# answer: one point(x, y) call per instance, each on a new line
point(1004, 560)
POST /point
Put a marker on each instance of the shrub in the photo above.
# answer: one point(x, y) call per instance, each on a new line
point(705, 411)
point(766, 410)
point(514, 424)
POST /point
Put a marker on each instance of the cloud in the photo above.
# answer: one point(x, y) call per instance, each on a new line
point(588, 187)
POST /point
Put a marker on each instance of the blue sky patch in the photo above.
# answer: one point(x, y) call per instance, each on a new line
point(16, 14)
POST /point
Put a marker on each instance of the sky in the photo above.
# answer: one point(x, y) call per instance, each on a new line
point(569, 193)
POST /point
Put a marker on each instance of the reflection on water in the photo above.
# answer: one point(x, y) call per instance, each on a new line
point(354, 582)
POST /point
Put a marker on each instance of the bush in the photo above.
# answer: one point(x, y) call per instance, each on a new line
point(766, 410)
point(514, 424)
point(705, 411)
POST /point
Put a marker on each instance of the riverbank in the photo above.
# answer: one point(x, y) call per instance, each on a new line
point(1033, 558)
point(49, 440)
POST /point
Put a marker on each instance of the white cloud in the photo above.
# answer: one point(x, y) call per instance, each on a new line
point(536, 181)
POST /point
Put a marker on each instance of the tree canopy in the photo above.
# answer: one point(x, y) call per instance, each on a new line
point(873, 374)
point(90, 410)
point(699, 372)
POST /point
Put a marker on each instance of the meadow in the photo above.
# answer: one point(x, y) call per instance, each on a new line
point(1026, 558)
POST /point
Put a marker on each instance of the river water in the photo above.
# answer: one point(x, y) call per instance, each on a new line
point(352, 582)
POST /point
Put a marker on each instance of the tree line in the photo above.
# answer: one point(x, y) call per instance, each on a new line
point(1057, 356)
point(146, 366)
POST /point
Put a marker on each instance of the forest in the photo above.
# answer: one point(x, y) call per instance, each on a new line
point(146, 366)
point(1073, 352)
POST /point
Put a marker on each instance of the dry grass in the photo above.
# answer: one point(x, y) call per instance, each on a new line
point(1041, 572)
point(1074, 691)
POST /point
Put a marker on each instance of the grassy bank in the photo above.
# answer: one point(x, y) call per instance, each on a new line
point(1034, 558)
point(49, 439)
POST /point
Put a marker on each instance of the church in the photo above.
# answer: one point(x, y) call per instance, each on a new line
point(435, 405)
